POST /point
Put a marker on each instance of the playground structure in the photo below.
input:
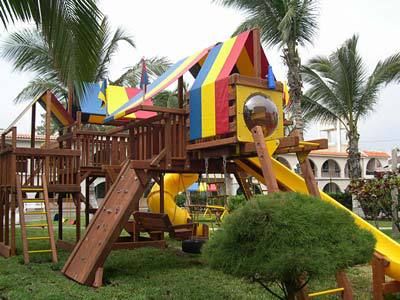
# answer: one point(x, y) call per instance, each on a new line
point(231, 121)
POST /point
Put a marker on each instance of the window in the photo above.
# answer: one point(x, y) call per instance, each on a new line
point(330, 168)
point(372, 165)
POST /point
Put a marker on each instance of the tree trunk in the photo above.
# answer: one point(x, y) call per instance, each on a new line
point(292, 60)
point(354, 156)
point(290, 288)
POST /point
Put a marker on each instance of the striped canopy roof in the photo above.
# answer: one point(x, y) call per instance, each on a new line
point(95, 105)
point(211, 68)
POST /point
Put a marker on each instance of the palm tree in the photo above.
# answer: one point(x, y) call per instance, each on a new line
point(286, 24)
point(155, 67)
point(340, 89)
point(71, 29)
point(30, 51)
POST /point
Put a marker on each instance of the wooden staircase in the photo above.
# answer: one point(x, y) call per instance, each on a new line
point(44, 199)
point(85, 264)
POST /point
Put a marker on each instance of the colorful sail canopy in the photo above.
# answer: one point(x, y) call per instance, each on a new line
point(209, 94)
point(100, 100)
point(211, 67)
point(160, 84)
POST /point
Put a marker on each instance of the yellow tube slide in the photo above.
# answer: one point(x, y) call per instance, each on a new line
point(173, 184)
point(385, 245)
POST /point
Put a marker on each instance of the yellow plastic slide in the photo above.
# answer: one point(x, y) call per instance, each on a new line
point(385, 245)
point(173, 184)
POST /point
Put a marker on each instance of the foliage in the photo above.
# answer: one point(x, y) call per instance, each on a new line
point(340, 89)
point(287, 24)
point(30, 51)
point(155, 67)
point(180, 199)
point(235, 202)
point(343, 198)
point(70, 27)
point(282, 237)
point(374, 195)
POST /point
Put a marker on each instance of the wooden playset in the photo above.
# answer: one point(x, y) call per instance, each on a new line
point(230, 122)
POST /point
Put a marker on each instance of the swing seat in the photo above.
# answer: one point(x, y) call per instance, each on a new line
point(156, 224)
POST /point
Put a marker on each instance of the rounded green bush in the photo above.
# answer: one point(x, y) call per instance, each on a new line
point(282, 236)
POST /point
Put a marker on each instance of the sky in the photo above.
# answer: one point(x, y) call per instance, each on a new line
point(177, 28)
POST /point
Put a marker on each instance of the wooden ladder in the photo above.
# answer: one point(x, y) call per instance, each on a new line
point(22, 213)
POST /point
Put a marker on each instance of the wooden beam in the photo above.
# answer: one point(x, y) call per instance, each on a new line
point(211, 144)
point(180, 92)
point(378, 276)
point(33, 125)
point(162, 193)
point(265, 160)
point(343, 282)
point(308, 174)
point(256, 52)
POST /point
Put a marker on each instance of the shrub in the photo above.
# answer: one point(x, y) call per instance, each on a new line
point(235, 202)
point(180, 199)
point(344, 199)
point(279, 238)
point(374, 195)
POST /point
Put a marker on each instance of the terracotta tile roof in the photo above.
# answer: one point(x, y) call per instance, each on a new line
point(27, 136)
point(328, 153)
point(376, 154)
point(364, 153)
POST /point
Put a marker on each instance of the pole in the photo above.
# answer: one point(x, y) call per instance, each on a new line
point(395, 196)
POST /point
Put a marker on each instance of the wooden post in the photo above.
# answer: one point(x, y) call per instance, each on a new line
point(343, 282)
point(13, 171)
point(87, 203)
point(257, 52)
point(33, 125)
point(395, 197)
point(265, 159)
point(48, 133)
point(60, 216)
point(77, 215)
point(378, 276)
point(180, 92)
point(161, 193)
point(308, 174)
point(70, 98)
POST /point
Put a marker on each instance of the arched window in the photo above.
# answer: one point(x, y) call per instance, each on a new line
point(313, 167)
point(330, 168)
point(372, 165)
point(347, 170)
point(284, 161)
point(331, 187)
point(297, 168)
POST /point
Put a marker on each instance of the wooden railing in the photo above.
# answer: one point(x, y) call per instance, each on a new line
point(163, 136)
point(99, 148)
point(61, 166)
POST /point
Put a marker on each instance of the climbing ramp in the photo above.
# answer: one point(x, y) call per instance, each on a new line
point(86, 261)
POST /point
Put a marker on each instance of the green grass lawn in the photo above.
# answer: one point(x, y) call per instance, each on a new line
point(143, 274)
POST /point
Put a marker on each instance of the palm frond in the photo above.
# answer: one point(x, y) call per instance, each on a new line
point(155, 67)
point(385, 72)
point(110, 46)
point(37, 87)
